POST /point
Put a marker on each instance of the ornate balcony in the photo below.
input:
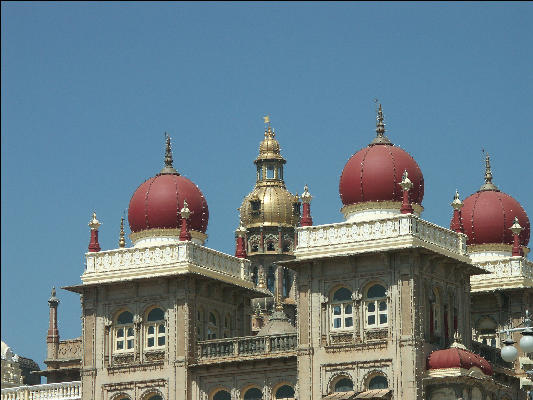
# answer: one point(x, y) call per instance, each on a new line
point(404, 230)
point(51, 391)
point(247, 347)
point(162, 260)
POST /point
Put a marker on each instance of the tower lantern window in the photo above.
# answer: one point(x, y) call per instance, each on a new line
point(270, 172)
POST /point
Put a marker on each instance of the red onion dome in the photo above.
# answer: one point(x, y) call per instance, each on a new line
point(458, 357)
point(374, 173)
point(157, 202)
point(488, 214)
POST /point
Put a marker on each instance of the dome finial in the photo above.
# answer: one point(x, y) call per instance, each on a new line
point(269, 132)
point(488, 185)
point(168, 169)
point(380, 128)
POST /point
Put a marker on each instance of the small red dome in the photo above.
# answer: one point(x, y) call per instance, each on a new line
point(487, 216)
point(157, 202)
point(456, 357)
point(374, 174)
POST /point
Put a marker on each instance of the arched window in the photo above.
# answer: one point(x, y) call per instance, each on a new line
point(376, 307)
point(227, 326)
point(342, 309)
point(222, 395)
point(155, 329)
point(378, 382)
point(253, 394)
point(285, 392)
point(343, 385)
point(212, 326)
point(124, 332)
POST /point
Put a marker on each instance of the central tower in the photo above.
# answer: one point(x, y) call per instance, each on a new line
point(270, 214)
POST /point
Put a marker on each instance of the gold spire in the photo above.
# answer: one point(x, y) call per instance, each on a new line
point(269, 148)
point(380, 129)
point(168, 169)
point(121, 240)
point(488, 185)
point(306, 196)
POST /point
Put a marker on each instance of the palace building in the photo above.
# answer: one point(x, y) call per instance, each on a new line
point(383, 305)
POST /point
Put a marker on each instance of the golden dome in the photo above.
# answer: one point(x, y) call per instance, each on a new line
point(269, 148)
point(270, 205)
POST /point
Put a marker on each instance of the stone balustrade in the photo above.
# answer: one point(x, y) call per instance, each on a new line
point(507, 267)
point(163, 259)
point(247, 347)
point(393, 232)
point(51, 391)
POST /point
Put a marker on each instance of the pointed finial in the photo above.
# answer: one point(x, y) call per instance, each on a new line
point(94, 224)
point(406, 183)
point(121, 239)
point(306, 196)
point(185, 212)
point(53, 300)
point(457, 204)
point(516, 228)
point(168, 169)
point(279, 305)
point(457, 341)
point(488, 185)
point(380, 128)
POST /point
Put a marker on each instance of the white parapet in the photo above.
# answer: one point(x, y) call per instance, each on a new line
point(164, 260)
point(400, 231)
point(50, 391)
point(504, 273)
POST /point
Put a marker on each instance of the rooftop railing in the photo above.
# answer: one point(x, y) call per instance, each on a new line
point(366, 235)
point(506, 268)
point(246, 347)
point(50, 391)
point(136, 261)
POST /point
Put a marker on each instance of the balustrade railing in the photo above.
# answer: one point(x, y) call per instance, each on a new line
point(246, 346)
point(331, 237)
point(50, 391)
point(506, 268)
point(100, 264)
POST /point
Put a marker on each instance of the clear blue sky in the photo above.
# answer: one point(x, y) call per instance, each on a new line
point(88, 89)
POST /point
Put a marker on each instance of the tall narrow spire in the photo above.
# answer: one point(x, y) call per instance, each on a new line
point(121, 240)
point(380, 129)
point(488, 185)
point(53, 332)
point(168, 169)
